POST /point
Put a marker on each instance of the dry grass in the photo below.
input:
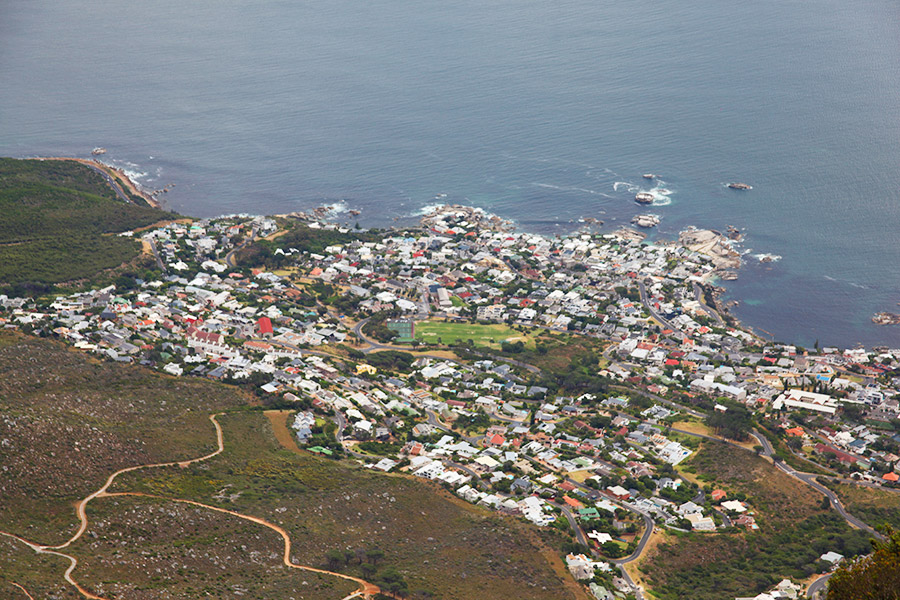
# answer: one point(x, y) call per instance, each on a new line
point(794, 531)
point(68, 422)
point(441, 545)
point(875, 507)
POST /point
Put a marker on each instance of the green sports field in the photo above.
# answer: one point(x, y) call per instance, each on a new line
point(481, 335)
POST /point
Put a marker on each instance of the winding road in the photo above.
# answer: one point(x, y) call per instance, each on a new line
point(698, 296)
point(810, 480)
point(658, 317)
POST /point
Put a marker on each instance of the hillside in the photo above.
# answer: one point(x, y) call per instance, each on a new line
point(69, 422)
point(59, 221)
point(794, 530)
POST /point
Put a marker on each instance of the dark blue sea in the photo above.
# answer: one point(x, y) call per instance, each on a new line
point(543, 112)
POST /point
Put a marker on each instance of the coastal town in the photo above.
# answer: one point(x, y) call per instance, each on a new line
point(445, 351)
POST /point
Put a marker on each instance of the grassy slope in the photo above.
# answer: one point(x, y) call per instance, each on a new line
point(68, 422)
point(794, 531)
point(438, 542)
point(55, 217)
point(560, 350)
point(175, 551)
point(875, 507)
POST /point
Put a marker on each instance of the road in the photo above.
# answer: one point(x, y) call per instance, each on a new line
point(435, 421)
point(229, 258)
point(661, 400)
point(810, 480)
point(580, 537)
point(698, 296)
point(159, 262)
point(818, 586)
point(112, 183)
point(646, 302)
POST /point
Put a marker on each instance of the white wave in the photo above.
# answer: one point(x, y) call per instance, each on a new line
point(850, 283)
point(336, 208)
point(130, 169)
point(661, 196)
point(629, 187)
point(563, 188)
point(428, 209)
point(765, 257)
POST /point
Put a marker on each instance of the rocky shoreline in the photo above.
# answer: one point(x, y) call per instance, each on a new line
point(886, 318)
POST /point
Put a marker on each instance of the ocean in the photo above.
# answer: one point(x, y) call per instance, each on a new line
point(542, 112)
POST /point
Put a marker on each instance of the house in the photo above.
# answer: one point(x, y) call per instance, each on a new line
point(618, 492)
point(701, 523)
point(264, 327)
point(717, 495)
point(521, 486)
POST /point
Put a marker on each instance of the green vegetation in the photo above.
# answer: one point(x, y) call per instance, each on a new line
point(795, 529)
point(447, 548)
point(393, 360)
point(489, 336)
point(302, 237)
point(556, 353)
point(734, 423)
point(57, 225)
point(876, 577)
point(876, 507)
point(68, 422)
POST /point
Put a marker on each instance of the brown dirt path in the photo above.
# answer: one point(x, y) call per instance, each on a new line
point(366, 589)
point(24, 591)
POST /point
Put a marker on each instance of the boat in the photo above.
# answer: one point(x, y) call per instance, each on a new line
point(649, 176)
point(98, 151)
point(644, 198)
point(740, 186)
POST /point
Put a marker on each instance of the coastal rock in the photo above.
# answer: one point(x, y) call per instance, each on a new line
point(645, 221)
point(644, 198)
point(886, 318)
point(629, 234)
point(712, 244)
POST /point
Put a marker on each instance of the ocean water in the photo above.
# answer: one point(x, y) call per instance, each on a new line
point(543, 112)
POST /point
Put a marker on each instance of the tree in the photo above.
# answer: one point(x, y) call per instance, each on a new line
point(374, 555)
point(875, 577)
point(734, 423)
point(392, 581)
point(612, 550)
point(335, 558)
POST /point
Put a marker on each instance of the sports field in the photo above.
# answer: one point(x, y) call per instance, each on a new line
point(481, 335)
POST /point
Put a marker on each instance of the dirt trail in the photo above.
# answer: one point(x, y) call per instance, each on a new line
point(24, 591)
point(81, 508)
point(366, 590)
